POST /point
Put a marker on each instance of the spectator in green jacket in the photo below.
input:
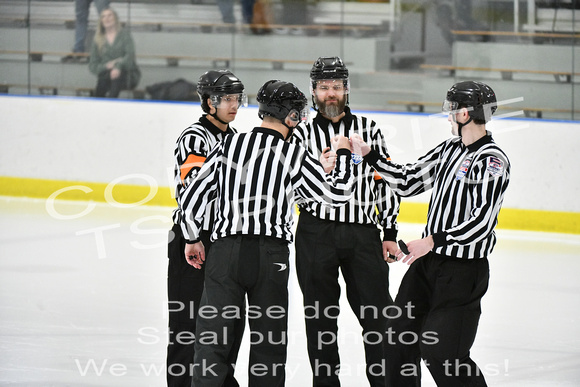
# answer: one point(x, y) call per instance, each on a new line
point(113, 57)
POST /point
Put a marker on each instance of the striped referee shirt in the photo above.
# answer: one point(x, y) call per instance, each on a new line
point(468, 185)
point(192, 148)
point(374, 202)
point(257, 177)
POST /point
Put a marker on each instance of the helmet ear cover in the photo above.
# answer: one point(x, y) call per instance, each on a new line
point(298, 116)
point(294, 116)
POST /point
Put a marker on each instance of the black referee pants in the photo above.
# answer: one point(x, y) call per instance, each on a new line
point(238, 266)
point(322, 248)
point(441, 297)
point(184, 290)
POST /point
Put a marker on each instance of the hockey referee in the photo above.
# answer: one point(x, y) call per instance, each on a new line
point(257, 177)
point(344, 239)
point(449, 272)
point(221, 94)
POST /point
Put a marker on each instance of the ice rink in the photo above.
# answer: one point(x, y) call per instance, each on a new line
point(83, 290)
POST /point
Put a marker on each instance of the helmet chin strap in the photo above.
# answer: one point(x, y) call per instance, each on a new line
point(460, 125)
point(290, 130)
point(214, 115)
point(314, 103)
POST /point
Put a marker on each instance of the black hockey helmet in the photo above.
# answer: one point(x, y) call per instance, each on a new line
point(330, 67)
point(278, 99)
point(477, 97)
point(216, 83)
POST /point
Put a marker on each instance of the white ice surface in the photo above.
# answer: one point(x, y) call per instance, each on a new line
point(83, 293)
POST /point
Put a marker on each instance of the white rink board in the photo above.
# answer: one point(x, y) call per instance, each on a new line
point(95, 140)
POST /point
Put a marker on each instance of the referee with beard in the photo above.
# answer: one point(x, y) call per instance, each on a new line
point(345, 238)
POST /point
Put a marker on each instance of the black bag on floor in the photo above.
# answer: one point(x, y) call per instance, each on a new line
point(178, 90)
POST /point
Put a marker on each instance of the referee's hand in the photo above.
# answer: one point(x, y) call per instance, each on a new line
point(417, 249)
point(389, 249)
point(195, 254)
point(340, 142)
point(328, 159)
point(358, 145)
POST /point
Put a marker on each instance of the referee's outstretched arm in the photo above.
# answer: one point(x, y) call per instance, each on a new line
point(332, 190)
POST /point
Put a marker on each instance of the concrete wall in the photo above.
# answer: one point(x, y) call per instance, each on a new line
point(94, 140)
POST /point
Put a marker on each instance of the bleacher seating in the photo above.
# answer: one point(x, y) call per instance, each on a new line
point(544, 76)
point(167, 16)
point(553, 16)
point(175, 41)
point(181, 40)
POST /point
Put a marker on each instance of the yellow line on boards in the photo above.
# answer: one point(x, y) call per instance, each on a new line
point(410, 212)
point(87, 191)
point(509, 218)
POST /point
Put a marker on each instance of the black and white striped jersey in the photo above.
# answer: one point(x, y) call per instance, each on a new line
point(373, 202)
point(468, 183)
point(192, 148)
point(256, 178)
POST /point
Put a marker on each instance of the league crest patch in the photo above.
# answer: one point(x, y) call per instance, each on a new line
point(356, 159)
point(463, 169)
point(494, 166)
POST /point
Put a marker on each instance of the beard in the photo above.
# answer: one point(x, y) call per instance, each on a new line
point(331, 110)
